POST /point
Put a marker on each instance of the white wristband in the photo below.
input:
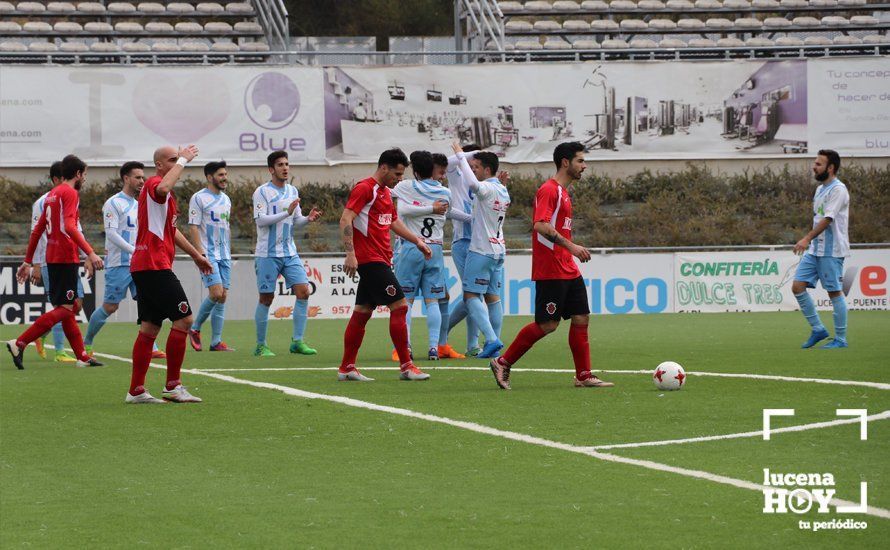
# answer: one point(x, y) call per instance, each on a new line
point(182, 161)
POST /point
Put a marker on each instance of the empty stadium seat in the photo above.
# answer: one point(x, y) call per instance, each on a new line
point(702, 43)
point(823, 4)
point(188, 27)
point(158, 26)
point(747, 23)
point(165, 47)
point(847, 40)
point(135, 47)
point(248, 26)
point(30, 7)
point(510, 6)
point(242, 8)
point(586, 45)
point(565, 5)
point(594, 5)
point(851, 3)
point(622, 5)
point(730, 42)
point(876, 39)
point(225, 46)
point(662, 24)
point(552, 43)
point(736, 4)
point(805, 21)
point(60, 7)
point(91, 7)
point(537, 6)
point(42, 47)
point(152, 8)
point(776, 22)
point(708, 4)
point(180, 8)
point(74, 46)
point(260, 47)
point(764, 3)
point(218, 26)
point(209, 7)
point(194, 46)
point(634, 25)
point(546, 25)
point(104, 47)
point(789, 41)
point(4, 7)
point(604, 25)
point(817, 41)
point(835, 21)
point(529, 45)
point(37, 26)
point(576, 25)
point(690, 24)
point(718, 23)
point(9, 26)
point(651, 5)
point(128, 26)
point(521, 26)
point(121, 7)
point(67, 26)
point(863, 20)
point(672, 43)
point(680, 4)
point(97, 26)
point(643, 44)
point(614, 44)
point(13, 47)
point(793, 3)
point(759, 41)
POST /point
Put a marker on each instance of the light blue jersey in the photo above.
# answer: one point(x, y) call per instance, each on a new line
point(276, 240)
point(211, 212)
point(462, 198)
point(120, 214)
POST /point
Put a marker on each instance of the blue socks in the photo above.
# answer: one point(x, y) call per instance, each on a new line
point(261, 318)
point(408, 320)
point(496, 316)
point(808, 308)
point(203, 313)
point(840, 317)
point(478, 312)
point(457, 314)
point(58, 337)
point(97, 321)
point(217, 317)
point(443, 326)
point(301, 315)
point(433, 323)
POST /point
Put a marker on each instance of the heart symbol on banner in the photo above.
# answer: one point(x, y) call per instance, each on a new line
point(181, 110)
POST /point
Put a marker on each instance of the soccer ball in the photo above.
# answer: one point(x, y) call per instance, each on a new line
point(669, 376)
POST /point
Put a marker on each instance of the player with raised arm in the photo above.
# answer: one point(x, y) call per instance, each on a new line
point(119, 218)
point(277, 212)
point(60, 220)
point(422, 204)
point(559, 288)
point(209, 212)
point(364, 227)
point(40, 275)
point(824, 249)
point(462, 231)
point(483, 271)
point(159, 294)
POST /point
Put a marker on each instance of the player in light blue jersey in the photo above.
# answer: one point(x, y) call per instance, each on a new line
point(462, 203)
point(277, 212)
point(210, 210)
point(824, 249)
point(119, 216)
point(422, 207)
point(484, 268)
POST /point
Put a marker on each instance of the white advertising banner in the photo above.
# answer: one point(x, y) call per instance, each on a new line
point(113, 114)
point(620, 110)
point(761, 281)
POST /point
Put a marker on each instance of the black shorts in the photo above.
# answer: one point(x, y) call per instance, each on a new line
point(159, 296)
point(62, 283)
point(377, 285)
point(560, 299)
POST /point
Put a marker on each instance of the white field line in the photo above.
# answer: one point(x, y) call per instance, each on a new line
point(876, 385)
point(504, 434)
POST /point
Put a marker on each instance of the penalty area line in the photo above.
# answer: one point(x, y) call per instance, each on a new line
point(495, 432)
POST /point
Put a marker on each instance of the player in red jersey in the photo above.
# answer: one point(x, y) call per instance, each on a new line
point(60, 220)
point(559, 287)
point(159, 294)
point(364, 226)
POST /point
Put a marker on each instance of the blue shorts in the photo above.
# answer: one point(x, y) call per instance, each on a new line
point(44, 272)
point(222, 274)
point(117, 281)
point(419, 275)
point(459, 251)
point(826, 269)
point(483, 274)
point(268, 270)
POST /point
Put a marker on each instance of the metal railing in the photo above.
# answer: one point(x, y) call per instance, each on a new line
point(273, 17)
point(485, 22)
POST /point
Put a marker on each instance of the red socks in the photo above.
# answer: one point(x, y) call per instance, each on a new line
point(75, 338)
point(44, 324)
point(141, 358)
point(175, 355)
point(398, 331)
point(580, 350)
point(352, 338)
point(523, 342)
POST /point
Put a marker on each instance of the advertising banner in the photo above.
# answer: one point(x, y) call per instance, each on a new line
point(23, 303)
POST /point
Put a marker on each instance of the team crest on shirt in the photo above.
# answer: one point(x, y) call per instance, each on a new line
point(384, 219)
point(391, 290)
point(551, 308)
point(69, 295)
point(183, 307)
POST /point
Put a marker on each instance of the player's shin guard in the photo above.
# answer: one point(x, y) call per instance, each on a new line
point(352, 337)
point(443, 326)
point(75, 338)
point(496, 316)
point(300, 316)
point(523, 342)
point(204, 312)
point(398, 331)
point(580, 347)
point(808, 308)
point(433, 323)
point(141, 359)
point(839, 303)
point(261, 318)
point(42, 325)
point(217, 318)
point(97, 321)
point(175, 355)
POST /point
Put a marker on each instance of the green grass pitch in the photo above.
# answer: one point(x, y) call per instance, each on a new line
point(255, 467)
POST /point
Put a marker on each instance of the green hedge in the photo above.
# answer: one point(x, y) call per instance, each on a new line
point(688, 208)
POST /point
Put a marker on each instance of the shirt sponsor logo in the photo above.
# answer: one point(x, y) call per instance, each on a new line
point(567, 223)
point(384, 219)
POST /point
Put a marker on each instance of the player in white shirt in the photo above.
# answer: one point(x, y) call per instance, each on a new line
point(484, 267)
point(422, 204)
point(277, 212)
point(824, 249)
point(119, 217)
point(210, 210)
